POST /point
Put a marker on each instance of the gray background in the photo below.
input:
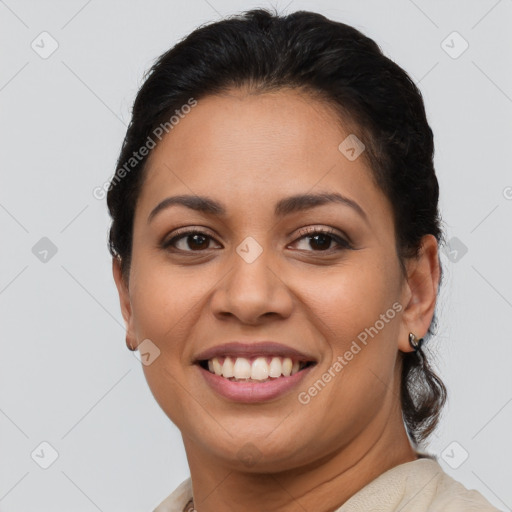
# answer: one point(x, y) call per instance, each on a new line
point(66, 377)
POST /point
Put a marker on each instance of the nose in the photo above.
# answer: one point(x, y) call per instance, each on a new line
point(252, 291)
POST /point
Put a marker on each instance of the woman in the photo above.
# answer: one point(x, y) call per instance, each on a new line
point(275, 248)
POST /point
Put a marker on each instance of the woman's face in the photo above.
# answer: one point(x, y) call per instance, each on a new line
point(271, 282)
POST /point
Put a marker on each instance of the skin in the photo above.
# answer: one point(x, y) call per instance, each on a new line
point(248, 151)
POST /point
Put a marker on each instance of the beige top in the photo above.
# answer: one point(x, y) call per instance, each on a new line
point(417, 486)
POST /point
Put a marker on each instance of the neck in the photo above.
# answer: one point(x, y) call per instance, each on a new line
point(323, 486)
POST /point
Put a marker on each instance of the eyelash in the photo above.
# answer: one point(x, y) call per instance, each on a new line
point(304, 233)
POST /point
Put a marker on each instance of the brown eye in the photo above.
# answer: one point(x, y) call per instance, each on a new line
point(196, 241)
point(319, 240)
point(189, 241)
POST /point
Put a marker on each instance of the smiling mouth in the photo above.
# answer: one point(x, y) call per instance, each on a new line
point(255, 369)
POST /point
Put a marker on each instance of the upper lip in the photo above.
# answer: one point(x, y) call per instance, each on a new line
point(253, 349)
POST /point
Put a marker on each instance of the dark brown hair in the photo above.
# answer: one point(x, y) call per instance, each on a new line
point(264, 51)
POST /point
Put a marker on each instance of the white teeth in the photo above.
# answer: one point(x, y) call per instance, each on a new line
point(276, 368)
point(242, 368)
point(287, 366)
point(258, 369)
point(227, 368)
point(217, 368)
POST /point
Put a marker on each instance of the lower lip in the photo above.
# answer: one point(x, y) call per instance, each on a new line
point(253, 392)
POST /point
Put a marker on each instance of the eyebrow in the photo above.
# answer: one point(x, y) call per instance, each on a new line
point(286, 206)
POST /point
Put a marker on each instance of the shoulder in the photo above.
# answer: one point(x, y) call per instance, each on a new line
point(417, 486)
point(178, 499)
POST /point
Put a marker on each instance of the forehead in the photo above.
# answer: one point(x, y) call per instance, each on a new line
point(286, 124)
point(254, 148)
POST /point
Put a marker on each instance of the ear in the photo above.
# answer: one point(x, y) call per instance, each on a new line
point(124, 299)
point(419, 293)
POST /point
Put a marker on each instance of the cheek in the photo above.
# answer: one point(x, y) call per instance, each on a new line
point(355, 314)
point(161, 303)
point(163, 311)
point(351, 300)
